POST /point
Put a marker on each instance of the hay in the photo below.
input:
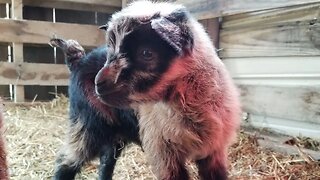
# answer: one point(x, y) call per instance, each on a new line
point(35, 133)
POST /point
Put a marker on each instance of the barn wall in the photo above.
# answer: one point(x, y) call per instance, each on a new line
point(272, 50)
point(274, 57)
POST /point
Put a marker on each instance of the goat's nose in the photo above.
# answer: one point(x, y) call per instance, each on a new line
point(101, 76)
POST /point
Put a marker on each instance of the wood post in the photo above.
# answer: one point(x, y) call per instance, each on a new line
point(17, 8)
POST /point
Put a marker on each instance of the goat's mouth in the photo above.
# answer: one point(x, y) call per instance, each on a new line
point(114, 97)
point(110, 90)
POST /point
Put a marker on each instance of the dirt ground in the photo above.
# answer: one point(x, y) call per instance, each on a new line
point(35, 133)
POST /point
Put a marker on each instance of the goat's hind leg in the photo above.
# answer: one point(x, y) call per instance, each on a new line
point(108, 158)
point(74, 153)
point(66, 168)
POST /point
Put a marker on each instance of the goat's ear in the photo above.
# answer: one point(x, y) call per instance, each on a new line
point(59, 43)
point(174, 30)
point(73, 51)
point(104, 27)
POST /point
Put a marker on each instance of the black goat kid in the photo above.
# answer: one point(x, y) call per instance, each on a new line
point(95, 129)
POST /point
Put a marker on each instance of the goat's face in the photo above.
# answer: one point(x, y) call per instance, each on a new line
point(142, 46)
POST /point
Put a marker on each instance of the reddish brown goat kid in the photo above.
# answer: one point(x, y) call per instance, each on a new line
point(162, 63)
point(3, 156)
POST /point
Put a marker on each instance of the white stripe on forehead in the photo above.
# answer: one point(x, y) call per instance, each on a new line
point(119, 22)
point(119, 33)
point(144, 9)
point(148, 8)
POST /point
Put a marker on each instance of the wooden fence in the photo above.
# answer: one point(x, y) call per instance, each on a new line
point(28, 64)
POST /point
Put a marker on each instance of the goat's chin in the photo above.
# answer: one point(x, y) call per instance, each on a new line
point(113, 100)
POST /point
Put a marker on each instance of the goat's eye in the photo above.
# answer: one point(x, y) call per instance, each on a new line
point(147, 54)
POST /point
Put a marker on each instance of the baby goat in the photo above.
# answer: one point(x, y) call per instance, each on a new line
point(162, 63)
point(95, 129)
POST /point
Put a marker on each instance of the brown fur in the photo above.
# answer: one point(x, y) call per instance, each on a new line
point(191, 113)
point(3, 157)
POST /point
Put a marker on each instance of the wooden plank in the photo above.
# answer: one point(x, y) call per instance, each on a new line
point(265, 66)
point(293, 103)
point(290, 32)
point(278, 80)
point(284, 16)
point(19, 95)
point(114, 3)
point(284, 126)
point(33, 74)
point(206, 9)
point(275, 71)
point(108, 6)
point(17, 6)
point(40, 32)
point(76, 5)
point(5, 1)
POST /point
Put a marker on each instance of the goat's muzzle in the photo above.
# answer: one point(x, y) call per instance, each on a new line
point(109, 90)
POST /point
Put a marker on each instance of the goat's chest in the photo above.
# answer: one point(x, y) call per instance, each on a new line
point(162, 124)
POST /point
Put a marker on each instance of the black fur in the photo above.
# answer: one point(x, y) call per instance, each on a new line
point(211, 171)
point(145, 36)
point(174, 30)
point(106, 129)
